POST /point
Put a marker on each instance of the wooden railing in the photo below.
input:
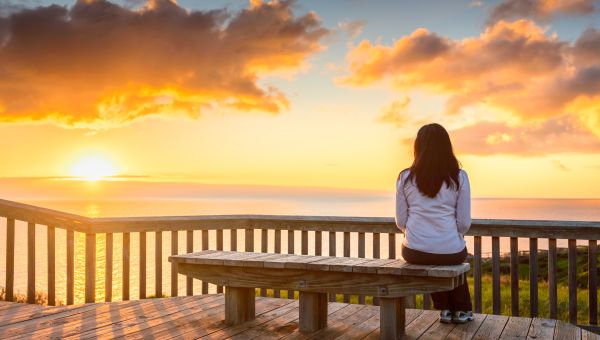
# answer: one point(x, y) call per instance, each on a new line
point(317, 235)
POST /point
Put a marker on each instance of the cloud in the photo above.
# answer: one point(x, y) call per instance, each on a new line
point(539, 9)
point(352, 28)
point(556, 135)
point(98, 64)
point(396, 112)
point(475, 3)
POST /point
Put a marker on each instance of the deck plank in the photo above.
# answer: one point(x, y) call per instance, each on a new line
point(565, 330)
point(516, 328)
point(541, 329)
point(467, 330)
point(491, 328)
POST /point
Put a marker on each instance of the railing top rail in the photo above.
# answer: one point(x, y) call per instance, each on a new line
point(587, 230)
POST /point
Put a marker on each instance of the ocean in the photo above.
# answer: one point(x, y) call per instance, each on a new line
point(337, 205)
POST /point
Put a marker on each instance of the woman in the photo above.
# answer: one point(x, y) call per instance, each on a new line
point(433, 210)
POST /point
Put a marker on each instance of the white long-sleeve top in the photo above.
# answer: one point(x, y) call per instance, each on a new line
point(434, 225)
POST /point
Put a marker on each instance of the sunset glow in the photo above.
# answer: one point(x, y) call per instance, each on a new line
point(319, 94)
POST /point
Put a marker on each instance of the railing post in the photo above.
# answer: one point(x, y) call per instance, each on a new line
point(51, 266)
point(477, 274)
point(514, 276)
point(158, 264)
point(346, 297)
point(291, 244)
point(90, 268)
point(533, 277)
point(174, 251)
point(332, 252)
point(143, 251)
point(10, 259)
point(126, 263)
point(496, 275)
point(109, 268)
point(219, 247)
point(189, 281)
point(70, 267)
point(593, 281)
point(30, 262)
point(204, 247)
point(552, 289)
point(572, 258)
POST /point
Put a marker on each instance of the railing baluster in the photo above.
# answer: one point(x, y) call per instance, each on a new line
point(427, 301)
point(376, 255)
point(552, 291)
point(318, 243)
point(304, 242)
point(332, 252)
point(30, 262)
point(143, 264)
point(233, 240)
point(204, 247)
point(174, 251)
point(477, 274)
point(249, 241)
point(90, 268)
point(51, 239)
point(264, 247)
point(572, 278)
point(219, 247)
point(126, 265)
point(391, 245)
point(593, 281)
point(290, 251)
point(158, 264)
point(514, 276)
point(496, 275)
point(277, 292)
point(70, 267)
point(361, 253)
point(346, 254)
point(533, 277)
point(189, 281)
point(108, 266)
point(10, 259)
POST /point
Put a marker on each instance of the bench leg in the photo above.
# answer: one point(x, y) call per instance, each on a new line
point(392, 318)
point(313, 311)
point(239, 305)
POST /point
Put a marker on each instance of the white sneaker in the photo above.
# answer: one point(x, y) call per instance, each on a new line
point(445, 316)
point(462, 317)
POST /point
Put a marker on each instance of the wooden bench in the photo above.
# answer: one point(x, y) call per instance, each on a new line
point(314, 277)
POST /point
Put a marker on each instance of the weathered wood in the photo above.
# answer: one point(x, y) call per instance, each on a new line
point(37, 215)
point(552, 288)
point(174, 251)
point(239, 305)
point(70, 267)
point(541, 329)
point(126, 265)
point(313, 311)
point(516, 328)
point(30, 262)
point(533, 277)
point(514, 276)
point(346, 297)
point(264, 248)
point(567, 331)
point(392, 318)
point(108, 267)
point(10, 259)
point(90, 268)
point(304, 242)
point(143, 252)
point(318, 243)
point(204, 247)
point(593, 281)
point(249, 242)
point(158, 264)
point(189, 282)
point(496, 275)
point(290, 233)
point(233, 239)
point(391, 245)
point(376, 255)
point(426, 301)
point(361, 254)
point(51, 242)
point(491, 328)
point(277, 292)
point(572, 278)
point(477, 297)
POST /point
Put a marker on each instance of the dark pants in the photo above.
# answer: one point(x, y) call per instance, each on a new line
point(457, 299)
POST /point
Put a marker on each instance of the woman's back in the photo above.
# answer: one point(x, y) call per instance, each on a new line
point(437, 224)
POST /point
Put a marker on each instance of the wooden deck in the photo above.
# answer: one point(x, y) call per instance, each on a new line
point(195, 317)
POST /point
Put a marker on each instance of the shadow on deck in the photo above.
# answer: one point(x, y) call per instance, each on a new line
point(202, 317)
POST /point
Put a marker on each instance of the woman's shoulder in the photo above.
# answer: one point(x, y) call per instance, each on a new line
point(403, 174)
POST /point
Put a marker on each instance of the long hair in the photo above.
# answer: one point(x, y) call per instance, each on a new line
point(434, 162)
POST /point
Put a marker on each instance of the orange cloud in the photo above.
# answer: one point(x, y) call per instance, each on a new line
point(559, 134)
point(539, 9)
point(98, 64)
point(396, 113)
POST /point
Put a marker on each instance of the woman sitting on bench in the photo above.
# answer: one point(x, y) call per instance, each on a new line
point(433, 210)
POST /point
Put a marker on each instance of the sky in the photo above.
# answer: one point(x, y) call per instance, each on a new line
point(302, 94)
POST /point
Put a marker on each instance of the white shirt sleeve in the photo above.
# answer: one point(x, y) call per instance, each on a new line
point(463, 204)
point(401, 204)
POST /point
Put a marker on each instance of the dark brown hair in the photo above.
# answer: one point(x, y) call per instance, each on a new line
point(434, 162)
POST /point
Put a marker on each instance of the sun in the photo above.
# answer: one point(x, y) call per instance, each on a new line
point(93, 168)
